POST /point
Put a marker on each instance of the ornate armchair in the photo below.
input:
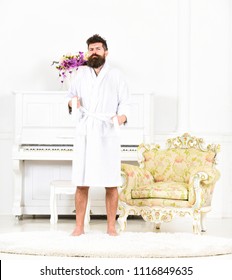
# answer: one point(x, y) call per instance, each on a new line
point(178, 180)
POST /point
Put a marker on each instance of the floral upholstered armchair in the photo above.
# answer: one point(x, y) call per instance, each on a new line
point(178, 180)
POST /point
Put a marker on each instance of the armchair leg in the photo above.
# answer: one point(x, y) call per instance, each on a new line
point(122, 219)
point(196, 222)
point(157, 226)
point(122, 222)
point(203, 218)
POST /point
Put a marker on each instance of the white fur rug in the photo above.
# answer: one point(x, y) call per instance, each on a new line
point(126, 245)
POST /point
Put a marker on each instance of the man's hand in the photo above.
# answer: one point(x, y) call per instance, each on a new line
point(121, 119)
point(77, 101)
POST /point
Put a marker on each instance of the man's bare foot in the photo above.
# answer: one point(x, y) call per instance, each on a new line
point(78, 231)
point(112, 232)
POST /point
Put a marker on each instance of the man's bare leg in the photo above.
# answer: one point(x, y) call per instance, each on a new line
point(111, 209)
point(81, 200)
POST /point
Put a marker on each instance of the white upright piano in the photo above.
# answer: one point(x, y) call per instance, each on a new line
point(43, 146)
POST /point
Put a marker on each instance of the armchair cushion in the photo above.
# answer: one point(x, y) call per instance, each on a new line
point(162, 190)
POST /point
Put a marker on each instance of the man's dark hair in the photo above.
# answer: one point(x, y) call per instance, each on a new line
point(97, 39)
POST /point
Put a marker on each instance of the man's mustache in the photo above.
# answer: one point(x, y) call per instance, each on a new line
point(94, 55)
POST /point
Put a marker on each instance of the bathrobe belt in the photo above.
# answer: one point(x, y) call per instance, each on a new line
point(109, 118)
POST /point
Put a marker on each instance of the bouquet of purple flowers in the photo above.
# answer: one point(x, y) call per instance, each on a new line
point(70, 63)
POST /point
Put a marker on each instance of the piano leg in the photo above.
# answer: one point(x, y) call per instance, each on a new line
point(17, 181)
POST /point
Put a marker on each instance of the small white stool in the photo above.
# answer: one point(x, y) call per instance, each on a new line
point(63, 187)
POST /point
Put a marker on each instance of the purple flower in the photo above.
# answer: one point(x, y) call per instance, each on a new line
point(69, 63)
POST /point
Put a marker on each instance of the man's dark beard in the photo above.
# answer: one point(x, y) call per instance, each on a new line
point(96, 61)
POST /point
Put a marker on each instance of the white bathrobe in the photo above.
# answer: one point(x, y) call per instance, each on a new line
point(96, 161)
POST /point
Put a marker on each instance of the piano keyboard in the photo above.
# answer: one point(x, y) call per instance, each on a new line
point(46, 148)
point(66, 148)
point(63, 152)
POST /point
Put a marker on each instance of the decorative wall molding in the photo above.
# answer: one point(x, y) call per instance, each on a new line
point(230, 47)
point(183, 71)
point(6, 135)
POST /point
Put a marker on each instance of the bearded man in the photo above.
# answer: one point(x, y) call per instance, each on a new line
point(99, 95)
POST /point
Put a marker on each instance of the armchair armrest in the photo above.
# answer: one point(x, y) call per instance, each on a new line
point(135, 176)
point(201, 185)
point(205, 174)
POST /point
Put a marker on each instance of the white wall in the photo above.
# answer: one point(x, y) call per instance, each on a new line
point(179, 49)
